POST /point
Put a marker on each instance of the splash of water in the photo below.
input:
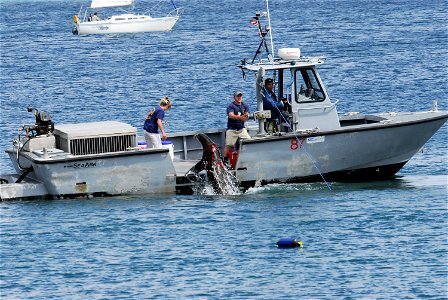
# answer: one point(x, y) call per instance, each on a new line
point(228, 183)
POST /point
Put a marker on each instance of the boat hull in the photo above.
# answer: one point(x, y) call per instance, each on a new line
point(366, 152)
point(123, 173)
point(356, 151)
point(106, 27)
point(13, 188)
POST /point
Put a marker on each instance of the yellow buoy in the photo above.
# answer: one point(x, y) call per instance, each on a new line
point(75, 19)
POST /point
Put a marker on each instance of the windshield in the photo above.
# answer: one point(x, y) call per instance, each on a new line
point(308, 88)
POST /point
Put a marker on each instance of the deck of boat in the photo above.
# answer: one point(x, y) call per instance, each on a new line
point(183, 166)
point(183, 185)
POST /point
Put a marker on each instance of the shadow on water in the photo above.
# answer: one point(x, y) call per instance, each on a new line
point(398, 182)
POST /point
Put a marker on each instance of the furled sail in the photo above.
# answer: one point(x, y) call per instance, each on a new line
point(111, 3)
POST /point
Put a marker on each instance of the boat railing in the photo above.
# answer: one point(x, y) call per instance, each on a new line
point(176, 12)
point(331, 105)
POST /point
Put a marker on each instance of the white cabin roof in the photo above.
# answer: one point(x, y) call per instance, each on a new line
point(284, 64)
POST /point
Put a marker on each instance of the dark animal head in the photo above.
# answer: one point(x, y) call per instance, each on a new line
point(211, 154)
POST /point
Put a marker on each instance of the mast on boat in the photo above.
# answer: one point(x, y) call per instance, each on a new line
point(270, 28)
point(262, 33)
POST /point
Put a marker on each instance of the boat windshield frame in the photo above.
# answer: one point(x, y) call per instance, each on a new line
point(309, 90)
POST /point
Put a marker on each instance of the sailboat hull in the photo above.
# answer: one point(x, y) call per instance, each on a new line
point(129, 25)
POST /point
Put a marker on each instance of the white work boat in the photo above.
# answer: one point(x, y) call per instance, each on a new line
point(121, 23)
point(95, 159)
point(314, 144)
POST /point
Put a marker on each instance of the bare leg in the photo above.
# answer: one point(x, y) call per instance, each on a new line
point(225, 151)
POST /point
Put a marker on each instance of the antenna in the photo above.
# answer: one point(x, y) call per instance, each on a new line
point(262, 35)
point(270, 29)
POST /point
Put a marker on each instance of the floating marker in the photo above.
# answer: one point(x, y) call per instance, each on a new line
point(289, 243)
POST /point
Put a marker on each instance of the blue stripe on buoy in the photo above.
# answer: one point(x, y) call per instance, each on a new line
point(289, 243)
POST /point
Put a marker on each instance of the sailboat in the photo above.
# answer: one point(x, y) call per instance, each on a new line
point(86, 23)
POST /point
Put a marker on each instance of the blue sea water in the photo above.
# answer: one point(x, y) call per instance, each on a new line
point(373, 240)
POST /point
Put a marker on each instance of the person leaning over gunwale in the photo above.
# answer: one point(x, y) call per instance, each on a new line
point(153, 123)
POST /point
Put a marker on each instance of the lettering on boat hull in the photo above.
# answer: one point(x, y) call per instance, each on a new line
point(81, 165)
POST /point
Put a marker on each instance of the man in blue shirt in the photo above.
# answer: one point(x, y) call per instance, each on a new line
point(153, 122)
point(237, 114)
point(270, 103)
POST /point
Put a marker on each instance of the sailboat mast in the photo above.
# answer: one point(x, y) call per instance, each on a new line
point(174, 5)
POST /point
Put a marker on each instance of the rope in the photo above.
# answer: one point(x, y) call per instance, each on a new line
point(304, 148)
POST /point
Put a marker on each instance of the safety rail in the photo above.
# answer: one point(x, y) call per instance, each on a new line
point(323, 107)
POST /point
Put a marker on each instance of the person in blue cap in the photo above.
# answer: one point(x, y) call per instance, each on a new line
point(237, 114)
point(270, 103)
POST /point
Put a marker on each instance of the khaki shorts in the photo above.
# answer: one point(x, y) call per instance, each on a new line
point(233, 135)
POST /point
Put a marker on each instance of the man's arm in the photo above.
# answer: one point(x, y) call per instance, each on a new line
point(243, 118)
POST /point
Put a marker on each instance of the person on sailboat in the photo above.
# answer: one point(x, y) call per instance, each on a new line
point(237, 114)
point(153, 123)
point(95, 17)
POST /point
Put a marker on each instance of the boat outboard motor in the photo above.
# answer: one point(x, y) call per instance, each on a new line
point(44, 124)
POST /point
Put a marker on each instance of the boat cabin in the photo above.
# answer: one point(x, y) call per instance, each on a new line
point(129, 18)
point(297, 80)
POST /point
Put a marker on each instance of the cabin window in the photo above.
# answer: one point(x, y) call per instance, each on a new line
point(308, 88)
point(120, 19)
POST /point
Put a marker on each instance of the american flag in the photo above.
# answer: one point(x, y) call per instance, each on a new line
point(254, 22)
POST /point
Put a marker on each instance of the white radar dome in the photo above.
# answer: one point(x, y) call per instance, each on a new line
point(289, 53)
